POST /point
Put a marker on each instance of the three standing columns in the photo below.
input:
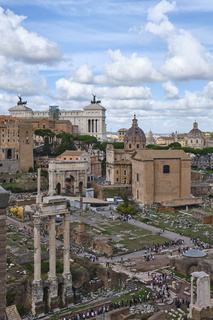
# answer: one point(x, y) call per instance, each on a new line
point(52, 247)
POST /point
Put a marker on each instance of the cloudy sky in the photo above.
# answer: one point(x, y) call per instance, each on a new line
point(145, 57)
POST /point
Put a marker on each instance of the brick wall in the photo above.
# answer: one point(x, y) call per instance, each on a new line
point(4, 197)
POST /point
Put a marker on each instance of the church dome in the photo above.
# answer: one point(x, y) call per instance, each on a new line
point(134, 137)
point(195, 132)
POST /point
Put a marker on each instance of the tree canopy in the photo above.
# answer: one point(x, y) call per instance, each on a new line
point(44, 133)
point(67, 142)
point(126, 209)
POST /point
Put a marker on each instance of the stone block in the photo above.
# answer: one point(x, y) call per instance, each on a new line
point(4, 197)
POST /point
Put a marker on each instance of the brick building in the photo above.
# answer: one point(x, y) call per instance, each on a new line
point(16, 145)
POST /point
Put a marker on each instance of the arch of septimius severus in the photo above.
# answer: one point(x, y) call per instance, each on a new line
point(52, 293)
point(68, 177)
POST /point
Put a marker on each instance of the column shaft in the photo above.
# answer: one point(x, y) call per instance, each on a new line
point(66, 244)
point(38, 198)
point(52, 248)
point(51, 191)
point(37, 249)
point(192, 278)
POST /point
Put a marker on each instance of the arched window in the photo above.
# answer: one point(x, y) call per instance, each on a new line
point(166, 169)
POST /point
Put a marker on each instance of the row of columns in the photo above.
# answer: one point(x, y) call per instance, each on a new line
point(52, 248)
point(93, 125)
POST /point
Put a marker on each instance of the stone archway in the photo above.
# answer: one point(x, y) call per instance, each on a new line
point(58, 188)
point(70, 184)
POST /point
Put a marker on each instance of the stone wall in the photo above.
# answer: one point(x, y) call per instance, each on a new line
point(4, 198)
point(205, 313)
point(121, 314)
point(103, 246)
point(207, 220)
point(158, 316)
point(186, 265)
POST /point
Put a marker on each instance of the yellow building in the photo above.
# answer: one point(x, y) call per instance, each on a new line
point(121, 134)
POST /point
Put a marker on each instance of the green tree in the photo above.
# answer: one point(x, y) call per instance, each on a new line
point(66, 142)
point(44, 133)
point(86, 141)
point(156, 147)
point(126, 209)
point(118, 145)
point(46, 147)
point(174, 145)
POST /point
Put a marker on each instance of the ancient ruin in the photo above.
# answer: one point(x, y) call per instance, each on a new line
point(202, 308)
point(54, 292)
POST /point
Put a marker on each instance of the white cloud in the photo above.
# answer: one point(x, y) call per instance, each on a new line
point(171, 92)
point(18, 43)
point(125, 93)
point(16, 78)
point(72, 90)
point(127, 71)
point(187, 58)
point(69, 89)
point(208, 90)
point(157, 13)
point(83, 74)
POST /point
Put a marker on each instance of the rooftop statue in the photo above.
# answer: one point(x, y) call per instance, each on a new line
point(94, 100)
point(20, 102)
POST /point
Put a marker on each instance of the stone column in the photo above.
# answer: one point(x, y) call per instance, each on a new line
point(66, 244)
point(192, 278)
point(51, 188)
point(203, 291)
point(38, 197)
point(52, 249)
point(67, 297)
point(37, 249)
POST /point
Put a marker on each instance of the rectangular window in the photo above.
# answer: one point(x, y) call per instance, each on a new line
point(124, 172)
point(166, 169)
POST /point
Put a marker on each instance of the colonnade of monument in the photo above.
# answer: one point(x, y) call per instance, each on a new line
point(93, 125)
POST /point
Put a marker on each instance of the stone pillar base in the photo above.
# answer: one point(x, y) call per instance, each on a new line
point(37, 298)
point(53, 285)
point(68, 291)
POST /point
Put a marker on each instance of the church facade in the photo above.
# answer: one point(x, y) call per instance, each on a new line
point(160, 176)
point(118, 161)
point(90, 121)
point(155, 175)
